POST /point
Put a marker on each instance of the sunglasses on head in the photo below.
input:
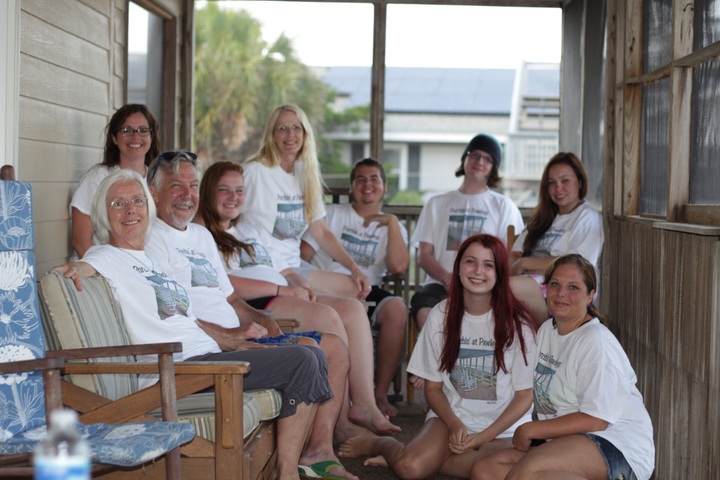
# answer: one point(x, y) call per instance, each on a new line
point(168, 157)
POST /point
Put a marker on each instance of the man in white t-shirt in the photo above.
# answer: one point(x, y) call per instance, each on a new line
point(449, 218)
point(377, 242)
point(190, 252)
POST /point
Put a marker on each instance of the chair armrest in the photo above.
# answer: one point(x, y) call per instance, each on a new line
point(117, 351)
point(212, 368)
point(39, 364)
point(181, 368)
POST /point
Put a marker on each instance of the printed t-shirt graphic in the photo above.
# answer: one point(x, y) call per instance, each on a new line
point(462, 225)
point(261, 254)
point(360, 250)
point(290, 219)
point(202, 272)
point(548, 240)
point(172, 299)
point(473, 375)
point(543, 377)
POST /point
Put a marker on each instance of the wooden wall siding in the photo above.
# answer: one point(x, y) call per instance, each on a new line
point(66, 73)
point(663, 307)
point(72, 78)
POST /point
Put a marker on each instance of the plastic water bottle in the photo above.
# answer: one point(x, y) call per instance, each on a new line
point(63, 455)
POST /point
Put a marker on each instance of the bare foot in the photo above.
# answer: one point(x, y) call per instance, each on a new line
point(386, 407)
point(362, 446)
point(372, 419)
point(378, 461)
point(345, 429)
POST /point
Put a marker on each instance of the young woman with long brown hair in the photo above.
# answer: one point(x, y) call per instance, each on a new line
point(475, 354)
point(254, 271)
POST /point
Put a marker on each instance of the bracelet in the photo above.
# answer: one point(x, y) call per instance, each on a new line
point(277, 292)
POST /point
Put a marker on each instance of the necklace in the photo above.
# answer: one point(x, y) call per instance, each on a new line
point(554, 324)
point(150, 268)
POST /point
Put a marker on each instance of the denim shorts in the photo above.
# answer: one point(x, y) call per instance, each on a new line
point(618, 466)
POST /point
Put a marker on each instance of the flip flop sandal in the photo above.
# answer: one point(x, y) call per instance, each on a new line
point(321, 470)
point(306, 473)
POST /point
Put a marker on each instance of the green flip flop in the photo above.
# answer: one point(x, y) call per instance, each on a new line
point(320, 470)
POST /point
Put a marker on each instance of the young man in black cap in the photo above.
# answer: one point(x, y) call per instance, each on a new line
point(449, 218)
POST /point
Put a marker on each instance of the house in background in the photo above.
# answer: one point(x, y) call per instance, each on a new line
point(431, 114)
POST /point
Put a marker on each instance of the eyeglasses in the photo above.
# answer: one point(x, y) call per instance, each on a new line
point(121, 204)
point(142, 131)
point(480, 156)
point(169, 157)
point(282, 129)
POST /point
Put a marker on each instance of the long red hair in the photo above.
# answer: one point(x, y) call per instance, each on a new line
point(509, 313)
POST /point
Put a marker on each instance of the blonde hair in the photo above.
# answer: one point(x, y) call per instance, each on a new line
point(269, 155)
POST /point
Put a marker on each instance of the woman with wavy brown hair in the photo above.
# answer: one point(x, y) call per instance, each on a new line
point(563, 222)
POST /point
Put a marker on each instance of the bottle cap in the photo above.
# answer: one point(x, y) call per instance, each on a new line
point(63, 418)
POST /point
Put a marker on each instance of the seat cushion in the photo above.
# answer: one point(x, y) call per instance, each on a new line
point(125, 444)
point(198, 409)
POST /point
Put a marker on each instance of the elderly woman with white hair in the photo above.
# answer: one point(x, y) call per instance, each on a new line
point(158, 309)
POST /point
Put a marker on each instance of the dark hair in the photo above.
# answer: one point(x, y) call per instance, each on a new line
point(545, 212)
point(588, 273)
point(508, 312)
point(227, 244)
point(491, 146)
point(368, 162)
point(111, 154)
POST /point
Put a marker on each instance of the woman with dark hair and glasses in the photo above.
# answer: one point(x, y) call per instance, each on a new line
point(131, 141)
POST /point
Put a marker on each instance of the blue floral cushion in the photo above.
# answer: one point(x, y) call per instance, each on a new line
point(127, 444)
point(21, 338)
point(22, 404)
point(16, 226)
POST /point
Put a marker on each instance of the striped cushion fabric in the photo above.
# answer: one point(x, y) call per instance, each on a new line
point(198, 409)
point(66, 312)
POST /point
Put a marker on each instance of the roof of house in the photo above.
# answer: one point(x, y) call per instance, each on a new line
point(445, 90)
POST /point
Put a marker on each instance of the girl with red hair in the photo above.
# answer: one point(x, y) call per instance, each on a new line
point(475, 354)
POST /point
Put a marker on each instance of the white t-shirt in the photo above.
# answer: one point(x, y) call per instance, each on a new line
point(89, 183)
point(264, 265)
point(450, 218)
point(580, 231)
point(274, 202)
point(154, 306)
point(476, 394)
point(366, 245)
point(588, 371)
point(193, 260)
point(83, 197)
